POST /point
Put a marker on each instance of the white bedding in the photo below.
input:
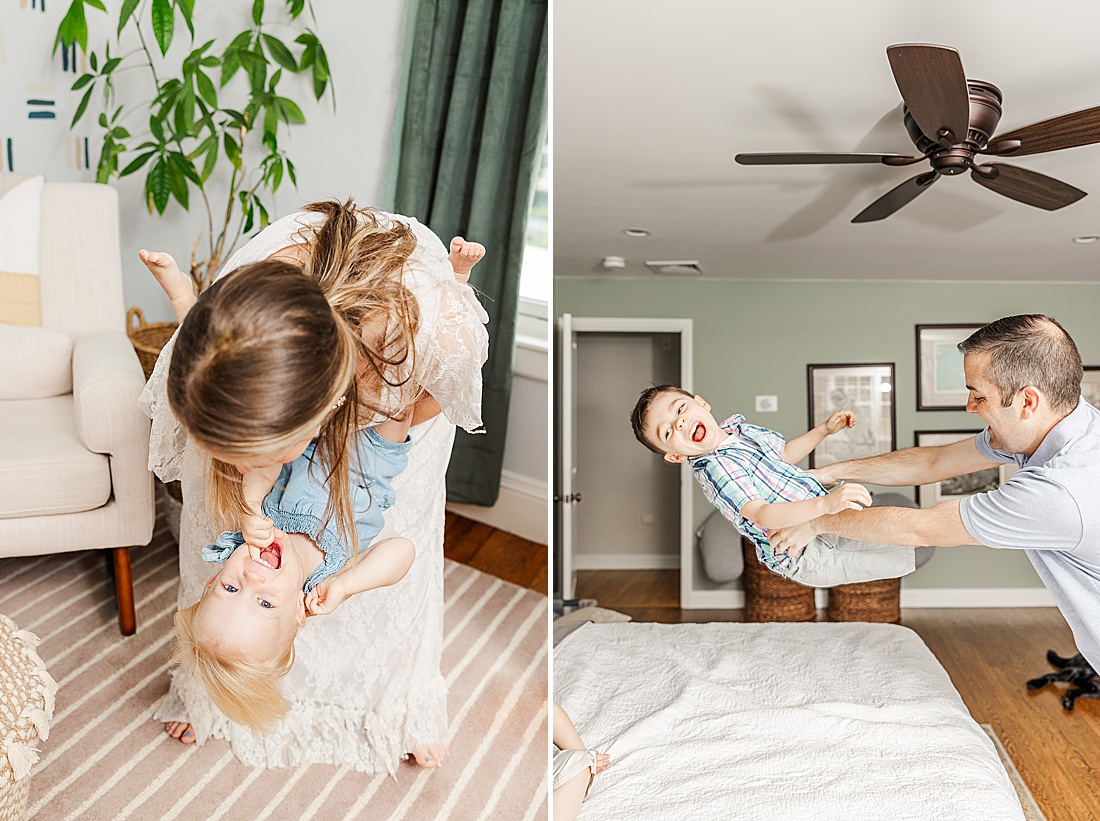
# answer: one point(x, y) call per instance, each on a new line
point(805, 722)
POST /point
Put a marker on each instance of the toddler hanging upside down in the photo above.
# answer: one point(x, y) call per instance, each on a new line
point(747, 472)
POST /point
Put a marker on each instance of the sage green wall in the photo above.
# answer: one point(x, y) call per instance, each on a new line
point(754, 337)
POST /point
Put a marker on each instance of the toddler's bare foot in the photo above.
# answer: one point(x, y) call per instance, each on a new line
point(430, 756)
point(180, 730)
point(176, 284)
point(464, 256)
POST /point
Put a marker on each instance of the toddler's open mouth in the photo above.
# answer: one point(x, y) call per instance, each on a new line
point(271, 556)
point(698, 433)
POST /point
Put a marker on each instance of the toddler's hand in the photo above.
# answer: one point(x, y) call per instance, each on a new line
point(602, 760)
point(258, 531)
point(849, 496)
point(839, 421)
point(326, 596)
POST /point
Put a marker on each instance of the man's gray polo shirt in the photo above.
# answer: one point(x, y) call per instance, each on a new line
point(1050, 508)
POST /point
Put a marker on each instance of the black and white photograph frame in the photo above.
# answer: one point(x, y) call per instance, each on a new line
point(941, 384)
point(959, 486)
point(868, 390)
point(1090, 385)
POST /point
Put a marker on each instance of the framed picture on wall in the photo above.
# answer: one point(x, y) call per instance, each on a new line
point(867, 391)
point(959, 486)
point(941, 384)
point(1090, 385)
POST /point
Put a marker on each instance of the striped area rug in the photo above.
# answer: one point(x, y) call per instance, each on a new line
point(107, 760)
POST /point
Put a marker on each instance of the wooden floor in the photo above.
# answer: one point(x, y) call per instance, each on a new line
point(989, 654)
point(495, 552)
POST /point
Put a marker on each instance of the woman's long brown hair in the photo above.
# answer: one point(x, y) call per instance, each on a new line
point(261, 363)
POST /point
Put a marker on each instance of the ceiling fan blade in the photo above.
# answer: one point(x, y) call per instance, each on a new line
point(1026, 186)
point(823, 158)
point(932, 83)
point(1066, 131)
point(896, 198)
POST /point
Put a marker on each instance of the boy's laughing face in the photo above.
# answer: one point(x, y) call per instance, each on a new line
point(682, 426)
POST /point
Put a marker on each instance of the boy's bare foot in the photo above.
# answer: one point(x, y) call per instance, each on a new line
point(430, 756)
point(464, 256)
point(176, 284)
point(180, 730)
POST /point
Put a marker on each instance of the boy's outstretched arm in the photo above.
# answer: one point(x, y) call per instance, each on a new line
point(800, 447)
point(386, 562)
point(787, 514)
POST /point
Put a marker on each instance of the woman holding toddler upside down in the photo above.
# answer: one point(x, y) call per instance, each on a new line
point(359, 317)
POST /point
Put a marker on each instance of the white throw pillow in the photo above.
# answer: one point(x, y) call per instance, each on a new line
point(35, 362)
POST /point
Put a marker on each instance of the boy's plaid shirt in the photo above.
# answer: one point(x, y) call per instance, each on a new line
point(749, 467)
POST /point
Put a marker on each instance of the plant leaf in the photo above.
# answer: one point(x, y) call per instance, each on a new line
point(83, 81)
point(159, 185)
point(111, 65)
point(186, 8)
point(257, 11)
point(206, 89)
point(156, 126)
point(93, 61)
point(280, 53)
point(164, 21)
point(73, 28)
point(83, 105)
point(290, 171)
point(232, 151)
point(127, 10)
point(290, 110)
point(96, 4)
point(137, 163)
point(231, 63)
point(211, 160)
point(178, 184)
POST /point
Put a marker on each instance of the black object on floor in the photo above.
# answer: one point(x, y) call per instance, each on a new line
point(1083, 680)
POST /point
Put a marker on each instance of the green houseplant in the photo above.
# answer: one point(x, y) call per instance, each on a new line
point(207, 126)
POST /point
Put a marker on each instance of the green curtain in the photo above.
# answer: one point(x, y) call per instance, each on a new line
point(471, 142)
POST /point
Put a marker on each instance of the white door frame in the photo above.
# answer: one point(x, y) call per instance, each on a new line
point(569, 326)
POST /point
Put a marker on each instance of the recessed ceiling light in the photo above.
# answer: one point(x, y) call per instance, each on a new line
point(1087, 239)
point(636, 232)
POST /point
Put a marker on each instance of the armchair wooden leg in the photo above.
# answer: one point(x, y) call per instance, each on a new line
point(124, 591)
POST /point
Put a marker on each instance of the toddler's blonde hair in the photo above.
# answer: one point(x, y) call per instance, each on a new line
point(246, 691)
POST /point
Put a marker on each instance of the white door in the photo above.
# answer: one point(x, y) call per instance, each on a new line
point(564, 497)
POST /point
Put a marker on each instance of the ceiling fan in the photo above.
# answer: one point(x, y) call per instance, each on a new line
point(950, 120)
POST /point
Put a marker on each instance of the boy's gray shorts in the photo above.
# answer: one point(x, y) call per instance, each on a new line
point(831, 560)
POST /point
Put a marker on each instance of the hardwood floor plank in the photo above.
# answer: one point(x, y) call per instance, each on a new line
point(500, 554)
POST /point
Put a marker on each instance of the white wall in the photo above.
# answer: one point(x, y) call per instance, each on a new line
point(337, 154)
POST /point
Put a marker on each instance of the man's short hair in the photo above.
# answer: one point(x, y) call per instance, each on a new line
point(641, 412)
point(1030, 349)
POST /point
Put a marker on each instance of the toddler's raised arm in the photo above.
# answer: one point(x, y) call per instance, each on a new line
point(386, 562)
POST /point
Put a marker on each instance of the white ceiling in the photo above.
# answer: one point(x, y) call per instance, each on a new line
point(652, 99)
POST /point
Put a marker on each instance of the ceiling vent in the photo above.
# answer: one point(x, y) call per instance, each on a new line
point(675, 268)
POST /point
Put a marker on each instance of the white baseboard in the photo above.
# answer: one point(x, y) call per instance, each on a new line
point(521, 508)
point(625, 561)
point(977, 597)
point(926, 597)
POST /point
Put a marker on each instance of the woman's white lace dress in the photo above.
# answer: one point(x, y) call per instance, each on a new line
point(366, 686)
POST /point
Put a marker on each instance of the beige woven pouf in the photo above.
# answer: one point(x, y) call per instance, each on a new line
point(26, 708)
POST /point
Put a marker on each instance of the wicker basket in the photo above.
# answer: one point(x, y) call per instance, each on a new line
point(770, 597)
point(148, 338)
point(878, 601)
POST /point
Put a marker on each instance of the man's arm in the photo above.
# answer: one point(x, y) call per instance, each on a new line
point(913, 466)
point(941, 525)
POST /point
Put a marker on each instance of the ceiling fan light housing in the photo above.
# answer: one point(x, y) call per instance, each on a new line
point(675, 268)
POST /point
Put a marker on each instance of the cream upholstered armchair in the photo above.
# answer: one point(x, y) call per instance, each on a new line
point(73, 443)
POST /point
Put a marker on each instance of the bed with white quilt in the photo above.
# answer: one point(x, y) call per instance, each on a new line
point(775, 722)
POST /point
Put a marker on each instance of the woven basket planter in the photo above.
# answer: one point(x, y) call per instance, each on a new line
point(770, 597)
point(148, 338)
point(26, 707)
point(877, 601)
